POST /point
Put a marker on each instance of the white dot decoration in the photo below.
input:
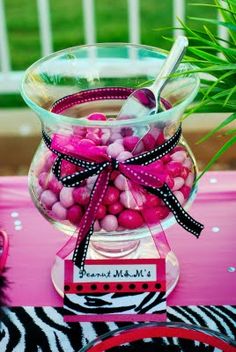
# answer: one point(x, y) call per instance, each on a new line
point(231, 269)
point(17, 222)
point(14, 214)
point(215, 229)
point(18, 227)
point(213, 180)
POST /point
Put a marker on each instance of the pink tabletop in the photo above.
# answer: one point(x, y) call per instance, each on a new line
point(206, 278)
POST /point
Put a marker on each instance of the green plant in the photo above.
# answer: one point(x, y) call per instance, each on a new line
point(216, 59)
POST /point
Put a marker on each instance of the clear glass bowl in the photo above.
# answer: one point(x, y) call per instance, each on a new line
point(52, 87)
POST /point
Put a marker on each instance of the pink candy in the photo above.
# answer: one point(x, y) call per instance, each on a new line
point(124, 155)
point(58, 211)
point(130, 142)
point(109, 223)
point(81, 195)
point(93, 137)
point(114, 149)
point(179, 156)
point(54, 185)
point(121, 183)
point(74, 214)
point(43, 179)
point(67, 168)
point(151, 200)
point(111, 196)
point(178, 183)
point(153, 215)
point(124, 206)
point(101, 212)
point(130, 219)
point(115, 208)
point(66, 197)
point(149, 141)
point(189, 180)
point(131, 199)
point(185, 190)
point(48, 198)
point(174, 168)
point(97, 116)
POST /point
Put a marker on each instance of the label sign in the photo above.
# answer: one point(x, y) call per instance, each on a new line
point(115, 290)
point(116, 273)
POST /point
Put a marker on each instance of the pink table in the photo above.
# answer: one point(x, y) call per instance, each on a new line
point(207, 264)
point(205, 294)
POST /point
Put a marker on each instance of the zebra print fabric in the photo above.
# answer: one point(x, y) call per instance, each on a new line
point(42, 329)
point(116, 303)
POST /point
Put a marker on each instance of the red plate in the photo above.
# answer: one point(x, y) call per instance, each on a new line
point(131, 338)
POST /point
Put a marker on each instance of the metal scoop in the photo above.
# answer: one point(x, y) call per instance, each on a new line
point(145, 101)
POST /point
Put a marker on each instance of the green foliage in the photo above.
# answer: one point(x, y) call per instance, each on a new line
point(215, 58)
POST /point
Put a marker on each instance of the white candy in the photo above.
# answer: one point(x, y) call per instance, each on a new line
point(58, 211)
point(114, 149)
point(178, 183)
point(109, 223)
point(179, 156)
point(121, 183)
point(66, 197)
point(189, 180)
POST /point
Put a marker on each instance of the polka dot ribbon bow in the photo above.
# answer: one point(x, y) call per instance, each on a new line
point(134, 169)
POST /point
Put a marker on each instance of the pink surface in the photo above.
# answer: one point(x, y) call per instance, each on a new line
point(204, 278)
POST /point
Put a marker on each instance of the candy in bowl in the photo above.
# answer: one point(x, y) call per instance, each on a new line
point(116, 183)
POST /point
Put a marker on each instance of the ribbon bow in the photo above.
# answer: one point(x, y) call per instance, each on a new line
point(135, 169)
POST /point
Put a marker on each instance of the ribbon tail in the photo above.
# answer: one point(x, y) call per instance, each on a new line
point(81, 250)
point(181, 216)
point(86, 224)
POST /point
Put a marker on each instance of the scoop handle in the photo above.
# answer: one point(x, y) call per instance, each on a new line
point(172, 61)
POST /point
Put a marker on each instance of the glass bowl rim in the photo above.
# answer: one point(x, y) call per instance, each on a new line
point(85, 122)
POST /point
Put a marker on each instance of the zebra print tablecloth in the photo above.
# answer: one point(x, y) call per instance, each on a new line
point(42, 329)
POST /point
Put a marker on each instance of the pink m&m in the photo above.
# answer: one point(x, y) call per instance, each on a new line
point(43, 179)
point(54, 185)
point(121, 182)
point(154, 215)
point(151, 200)
point(130, 219)
point(149, 141)
point(66, 197)
point(174, 168)
point(125, 205)
point(130, 142)
point(74, 214)
point(115, 208)
point(97, 116)
point(179, 156)
point(48, 198)
point(109, 223)
point(111, 196)
point(81, 195)
point(59, 212)
point(101, 212)
point(178, 183)
point(114, 149)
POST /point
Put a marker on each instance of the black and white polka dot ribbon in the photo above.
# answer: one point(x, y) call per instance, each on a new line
point(135, 169)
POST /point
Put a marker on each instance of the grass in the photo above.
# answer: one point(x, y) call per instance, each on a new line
point(67, 27)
